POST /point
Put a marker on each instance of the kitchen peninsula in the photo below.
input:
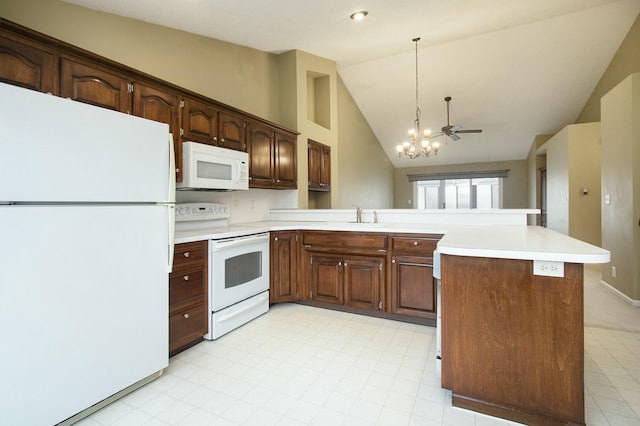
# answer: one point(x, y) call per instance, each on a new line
point(512, 299)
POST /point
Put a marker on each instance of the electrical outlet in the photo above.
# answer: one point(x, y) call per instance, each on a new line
point(548, 268)
point(613, 271)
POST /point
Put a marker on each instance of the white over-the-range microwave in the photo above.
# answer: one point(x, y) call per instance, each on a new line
point(213, 168)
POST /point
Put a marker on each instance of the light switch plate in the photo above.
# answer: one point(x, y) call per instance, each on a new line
point(548, 268)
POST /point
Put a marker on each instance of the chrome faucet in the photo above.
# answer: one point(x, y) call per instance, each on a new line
point(375, 216)
point(358, 213)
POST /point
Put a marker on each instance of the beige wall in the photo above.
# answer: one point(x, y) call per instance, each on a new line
point(366, 173)
point(621, 182)
point(238, 76)
point(626, 61)
point(573, 163)
point(515, 194)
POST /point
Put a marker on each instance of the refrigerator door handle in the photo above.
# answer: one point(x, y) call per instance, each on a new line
point(172, 200)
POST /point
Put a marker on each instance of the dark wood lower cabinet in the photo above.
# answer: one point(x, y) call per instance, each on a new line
point(513, 342)
point(362, 283)
point(327, 284)
point(283, 261)
point(412, 286)
point(188, 296)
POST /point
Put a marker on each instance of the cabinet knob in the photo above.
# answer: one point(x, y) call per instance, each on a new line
point(177, 170)
point(393, 261)
point(186, 277)
point(339, 263)
point(415, 243)
point(222, 140)
point(215, 138)
point(186, 254)
point(275, 239)
point(186, 316)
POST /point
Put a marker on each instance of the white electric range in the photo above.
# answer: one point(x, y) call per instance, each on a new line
point(238, 264)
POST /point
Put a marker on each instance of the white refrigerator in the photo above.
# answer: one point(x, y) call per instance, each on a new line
point(86, 244)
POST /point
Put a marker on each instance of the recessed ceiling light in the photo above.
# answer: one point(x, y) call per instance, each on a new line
point(359, 15)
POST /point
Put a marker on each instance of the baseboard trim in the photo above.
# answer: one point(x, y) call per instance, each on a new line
point(632, 302)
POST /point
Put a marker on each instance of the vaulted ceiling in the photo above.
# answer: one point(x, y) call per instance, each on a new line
point(514, 68)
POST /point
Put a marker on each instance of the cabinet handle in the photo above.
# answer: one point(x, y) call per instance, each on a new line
point(186, 316)
point(186, 254)
point(186, 277)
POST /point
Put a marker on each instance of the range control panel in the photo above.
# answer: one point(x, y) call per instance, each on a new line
point(201, 211)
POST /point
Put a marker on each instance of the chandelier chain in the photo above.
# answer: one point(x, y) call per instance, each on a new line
point(419, 143)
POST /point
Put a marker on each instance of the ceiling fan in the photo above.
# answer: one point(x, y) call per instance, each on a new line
point(452, 131)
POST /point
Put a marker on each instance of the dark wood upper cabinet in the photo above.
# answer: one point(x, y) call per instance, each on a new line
point(36, 61)
point(285, 172)
point(200, 122)
point(91, 85)
point(319, 163)
point(26, 66)
point(231, 131)
point(260, 148)
point(156, 104)
point(272, 158)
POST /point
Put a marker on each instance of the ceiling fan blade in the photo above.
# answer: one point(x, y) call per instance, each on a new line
point(470, 131)
point(454, 136)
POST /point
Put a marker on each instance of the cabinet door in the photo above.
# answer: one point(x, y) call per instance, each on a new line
point(284, 267)
point(313, 160)
point(26, 66)
point(200, 122)
point(326, 279)
point(412, 286)
point(187, 327)
point(260, 140)
point(231, 132)
point(159, 105)
point(285, 173)
point(325, 168)
point(362, 278)
point(94, 86)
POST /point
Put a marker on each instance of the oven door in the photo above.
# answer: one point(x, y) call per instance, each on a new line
point(238, 269)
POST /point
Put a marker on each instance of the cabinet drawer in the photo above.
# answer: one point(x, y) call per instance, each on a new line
point(187, 287)
point(190, 253)
point(346, 240)
point(414, 244)
point(187, 326)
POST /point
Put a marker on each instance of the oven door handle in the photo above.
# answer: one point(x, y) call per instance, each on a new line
point(222, 245)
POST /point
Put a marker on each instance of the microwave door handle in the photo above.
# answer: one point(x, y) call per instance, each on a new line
point(236, 178)
point(222, 245)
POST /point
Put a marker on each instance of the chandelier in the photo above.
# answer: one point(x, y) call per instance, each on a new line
point(419, 144)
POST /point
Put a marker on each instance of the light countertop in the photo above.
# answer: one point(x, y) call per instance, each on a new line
point(497, 241)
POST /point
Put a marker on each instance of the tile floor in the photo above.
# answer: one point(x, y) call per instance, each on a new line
point(298, 365)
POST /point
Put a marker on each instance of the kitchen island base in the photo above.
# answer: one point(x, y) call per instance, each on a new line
point(513, 342)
